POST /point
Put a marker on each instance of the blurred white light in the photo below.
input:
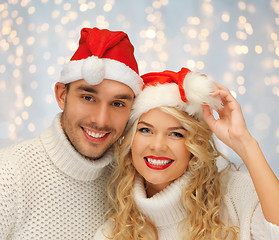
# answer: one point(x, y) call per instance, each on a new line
point(262, 121)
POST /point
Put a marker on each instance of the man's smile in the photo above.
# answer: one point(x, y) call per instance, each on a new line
point(95, 136)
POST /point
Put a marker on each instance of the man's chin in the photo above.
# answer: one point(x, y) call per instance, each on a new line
point(90, 152)
point(96, 157)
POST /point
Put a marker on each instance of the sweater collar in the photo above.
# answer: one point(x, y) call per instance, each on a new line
point(67, 159)
point(164, 208)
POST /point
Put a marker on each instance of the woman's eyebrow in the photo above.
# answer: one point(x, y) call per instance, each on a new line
point(170, 128)
point(145, 123)
point(176, 128)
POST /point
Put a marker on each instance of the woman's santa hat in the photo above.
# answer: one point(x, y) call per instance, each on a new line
point(185, 90)
point(103, 54)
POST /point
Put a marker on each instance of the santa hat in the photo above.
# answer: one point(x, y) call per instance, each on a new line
point(103, 54)
point(184, 90)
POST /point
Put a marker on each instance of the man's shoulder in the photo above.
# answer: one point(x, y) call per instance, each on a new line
point(20, 158)
point(18, 150)
point(19, 144)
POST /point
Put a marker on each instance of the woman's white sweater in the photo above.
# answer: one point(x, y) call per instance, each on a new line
point(240, 208)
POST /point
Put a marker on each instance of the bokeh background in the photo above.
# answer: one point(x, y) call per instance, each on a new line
point(234, 42)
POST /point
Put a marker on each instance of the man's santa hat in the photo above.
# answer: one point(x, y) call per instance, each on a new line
point(103, 54)
point(184, 90)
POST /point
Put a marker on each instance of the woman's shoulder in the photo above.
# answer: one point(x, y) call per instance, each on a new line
point(238, 186)
point(104, 232)
point(232, 177)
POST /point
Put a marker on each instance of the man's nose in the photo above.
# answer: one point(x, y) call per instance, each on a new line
point(101, 116)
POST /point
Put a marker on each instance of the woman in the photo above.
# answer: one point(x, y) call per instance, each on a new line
point(166, 184)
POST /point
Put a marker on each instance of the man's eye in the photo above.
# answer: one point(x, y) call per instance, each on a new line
point(87, 98)
point(118, 104)
point(144, 130)
point(177, 134)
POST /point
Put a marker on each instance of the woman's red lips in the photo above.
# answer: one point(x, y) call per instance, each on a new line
point(158, 163)
point(158, 158)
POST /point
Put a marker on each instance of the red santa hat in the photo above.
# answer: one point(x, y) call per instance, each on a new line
point(185, 90)
point(103, 54)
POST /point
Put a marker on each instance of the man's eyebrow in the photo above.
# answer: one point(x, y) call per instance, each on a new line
point(124, 96)
point(87, 89)
point(117, 96)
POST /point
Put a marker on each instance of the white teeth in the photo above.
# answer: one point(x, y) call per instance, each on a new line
point(95, 135)
point(158, 162)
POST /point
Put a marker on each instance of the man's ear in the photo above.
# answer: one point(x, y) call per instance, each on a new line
point(60, 90)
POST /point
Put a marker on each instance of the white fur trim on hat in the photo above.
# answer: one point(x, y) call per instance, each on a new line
point(197, 89)
point(94, 70)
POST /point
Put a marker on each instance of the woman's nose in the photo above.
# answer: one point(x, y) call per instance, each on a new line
point(159, 143)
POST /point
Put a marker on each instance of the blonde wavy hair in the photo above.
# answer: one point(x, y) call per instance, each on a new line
point(201, 198)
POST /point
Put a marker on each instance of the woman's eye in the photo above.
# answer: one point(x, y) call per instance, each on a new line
point(87, 98)
point(177, 134)
point(144, 130)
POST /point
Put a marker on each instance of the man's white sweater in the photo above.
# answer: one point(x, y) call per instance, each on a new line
point(49, 191)
point(240, 208)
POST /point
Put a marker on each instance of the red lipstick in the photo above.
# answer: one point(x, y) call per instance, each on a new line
point(159, 166)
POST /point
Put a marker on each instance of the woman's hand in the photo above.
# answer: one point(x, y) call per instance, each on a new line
point(230, 128)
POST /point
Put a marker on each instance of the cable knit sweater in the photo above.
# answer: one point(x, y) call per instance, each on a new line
point(49, 191)
point(240, 208)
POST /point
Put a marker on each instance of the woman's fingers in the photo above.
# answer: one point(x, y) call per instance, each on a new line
point(208, 116)
point(225, 95)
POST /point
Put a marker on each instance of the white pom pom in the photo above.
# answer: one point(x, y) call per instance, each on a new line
point(93, 70)
point(198, 88)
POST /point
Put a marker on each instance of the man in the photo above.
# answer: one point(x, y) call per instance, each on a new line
point(54, 186)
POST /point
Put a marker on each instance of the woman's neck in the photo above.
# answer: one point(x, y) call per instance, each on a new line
point(152, 189)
